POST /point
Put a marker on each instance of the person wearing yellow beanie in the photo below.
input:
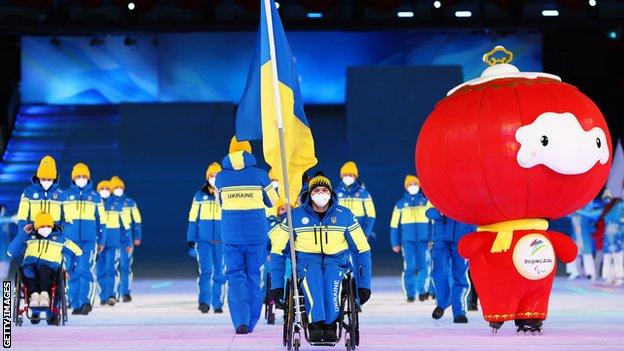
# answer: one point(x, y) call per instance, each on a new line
point(133, 238)
point(104, 189)
point(43, 247)
point(353, 195)
point(89, 218)
point(409, 232)
point(244, 192)
point(203, 235)
point(45, 195)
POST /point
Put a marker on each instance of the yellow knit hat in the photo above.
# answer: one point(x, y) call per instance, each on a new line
point(409, 179)
point(319, 180)
point(105, 184)
point(80, 169)
point(47, 168)
point(213, 169)
point(349, 168)
point(43, 219)
point(236, 145)
point(116, 182)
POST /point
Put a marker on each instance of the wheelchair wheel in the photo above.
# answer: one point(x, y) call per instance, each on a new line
point(289, 319)
point(17, 317)
point(62, 295)
point(352, 316)
point(296, 344)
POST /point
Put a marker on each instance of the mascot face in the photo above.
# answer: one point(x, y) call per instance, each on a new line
point(513, 145)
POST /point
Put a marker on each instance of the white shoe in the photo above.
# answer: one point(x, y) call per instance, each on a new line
point(34, 300)
point(592, 278)
point(573, 276)
point(619, 282)
point(44, 300)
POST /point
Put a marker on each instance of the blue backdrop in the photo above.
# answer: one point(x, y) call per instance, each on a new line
point(212, 67)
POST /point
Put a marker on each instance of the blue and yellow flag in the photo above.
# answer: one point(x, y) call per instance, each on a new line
point(256, 117)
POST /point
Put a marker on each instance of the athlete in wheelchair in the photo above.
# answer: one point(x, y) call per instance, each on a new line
point(40, 279)
point(323, 233)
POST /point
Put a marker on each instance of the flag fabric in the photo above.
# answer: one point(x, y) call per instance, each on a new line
point(256, 116)
point(615, 184)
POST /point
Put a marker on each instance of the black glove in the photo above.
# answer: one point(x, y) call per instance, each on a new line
point(191, 244)
point(364, 294)
point(276, 295)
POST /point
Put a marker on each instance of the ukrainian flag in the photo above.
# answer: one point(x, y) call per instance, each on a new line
point(256, 117)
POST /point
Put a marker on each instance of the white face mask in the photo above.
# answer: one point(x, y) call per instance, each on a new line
point(118, 192)
point(46, 184)
point(275, 184)
point(105, 194)
point(413, 189)
point(348, 180)
point(321, 199)
point(81, 182)
point(45, 231)
point(212, 181)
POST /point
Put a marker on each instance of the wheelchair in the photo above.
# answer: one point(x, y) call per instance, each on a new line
point(269, 304)
point(348, 322)
point(55, 314)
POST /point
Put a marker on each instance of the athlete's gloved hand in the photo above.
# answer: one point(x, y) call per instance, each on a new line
point(364, 294)
point(276, 295)
point(191, 244)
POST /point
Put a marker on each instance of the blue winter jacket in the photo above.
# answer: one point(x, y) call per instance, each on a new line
point(131, 211)
point(333, 236)
point(53, 201)
point(409, 222)
point(359, 201)
point(244, 192)
point(447, 229)
point(88, 214)
point(48, 250)
point(613, 240)
point(118, 224)
point(204, 218)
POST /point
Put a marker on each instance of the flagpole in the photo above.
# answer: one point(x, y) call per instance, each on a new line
point(280, 127)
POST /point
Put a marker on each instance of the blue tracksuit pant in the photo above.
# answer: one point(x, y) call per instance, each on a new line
point(81, 284)
point(211, 279)
point(125, 270)
point(107, 272)
point(416, 267)
point(243, 262)
point(321, 282)
point(449, 266)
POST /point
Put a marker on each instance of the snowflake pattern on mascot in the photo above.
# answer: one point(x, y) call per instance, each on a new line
point(509, 151)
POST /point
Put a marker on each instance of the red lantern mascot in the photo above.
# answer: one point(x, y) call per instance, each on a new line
point(508, 151)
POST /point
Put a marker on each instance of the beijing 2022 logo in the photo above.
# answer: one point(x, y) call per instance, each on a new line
point(534, 256)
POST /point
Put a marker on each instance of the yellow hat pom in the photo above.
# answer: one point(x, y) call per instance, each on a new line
point(213, 169)
point(80, 169)
point(105, 184)
point(236, 145)
point(43, 219)
point(116, 182)
point(47, 168)
point(411, 179)
point(349, 168)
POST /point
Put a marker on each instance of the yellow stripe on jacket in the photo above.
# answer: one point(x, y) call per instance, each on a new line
point(242, 198)
point(204, 211)
point(329, 240)
point(49, 250)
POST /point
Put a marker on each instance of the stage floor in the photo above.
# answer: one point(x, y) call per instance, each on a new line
point(163, 316)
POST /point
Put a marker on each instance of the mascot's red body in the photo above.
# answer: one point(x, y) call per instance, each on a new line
point(506, 152)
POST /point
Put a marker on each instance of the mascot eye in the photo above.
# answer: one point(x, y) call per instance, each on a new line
point(598, 142)
point(544, 140)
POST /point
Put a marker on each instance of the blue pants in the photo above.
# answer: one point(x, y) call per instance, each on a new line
point(321, 282)
point(107, 272)
point(416, 267)
point(125, 272)
point(245, 297)
point(211, 279)
point(81, 283)
point(447, 262)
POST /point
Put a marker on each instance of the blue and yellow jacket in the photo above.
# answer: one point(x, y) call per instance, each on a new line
point(53, 201)
point(332, 236)
point(88, 214)
point(131, 211)
point(244, 192)
point(204, 218)
point(359, 201)
point(613, 240)
point(118, 223)
point(40, 250)
point(447, 229)
point(409, 222)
